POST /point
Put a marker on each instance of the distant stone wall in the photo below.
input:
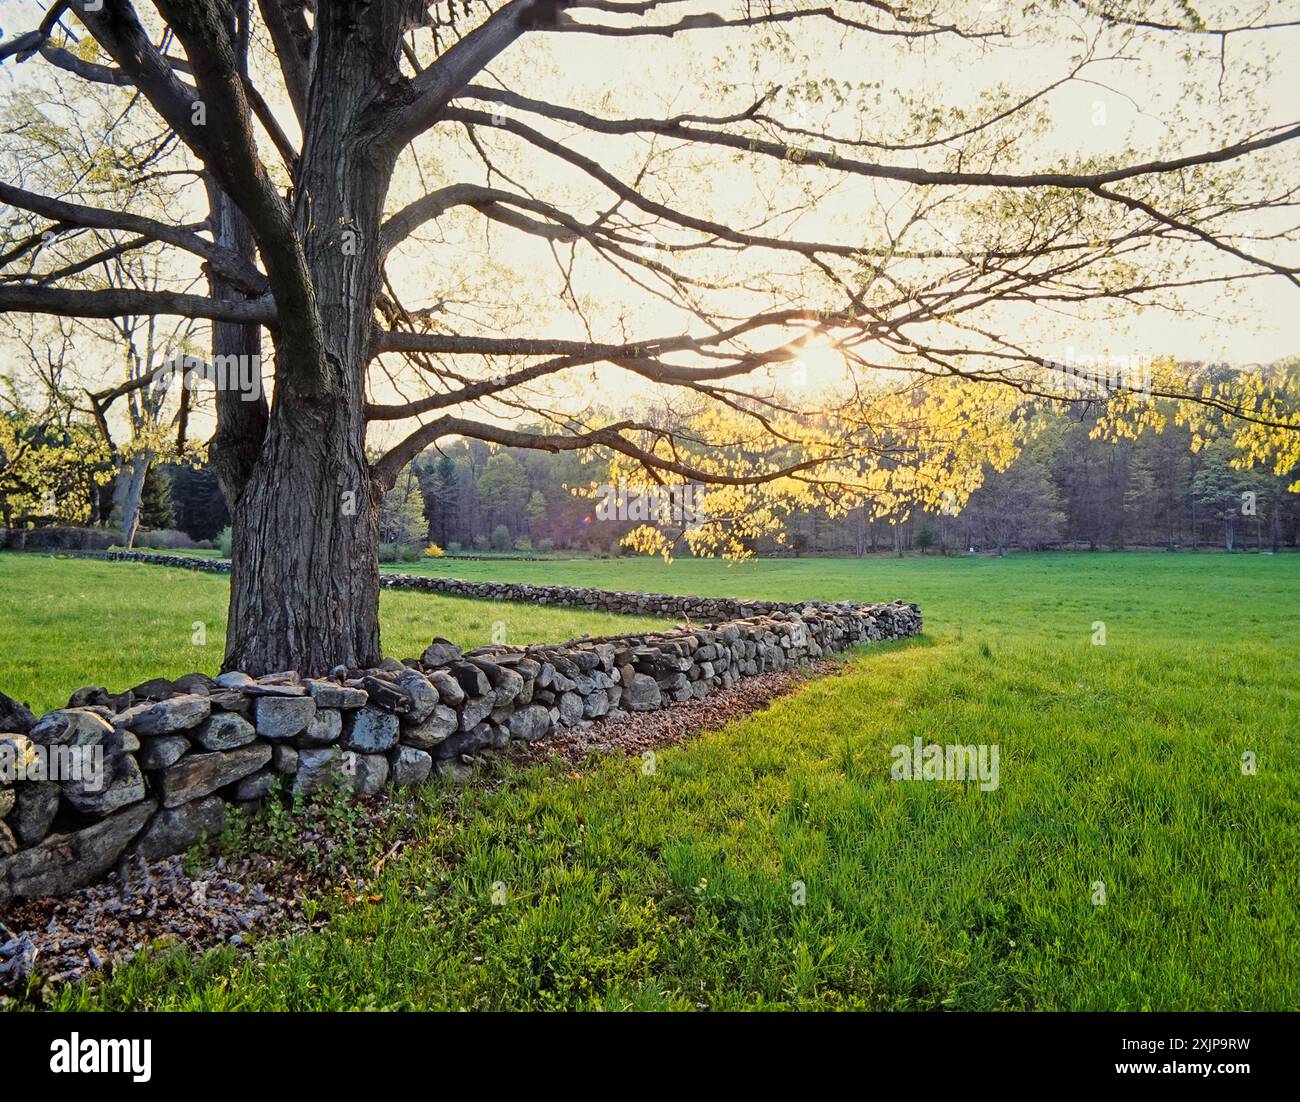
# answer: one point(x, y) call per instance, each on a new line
point(176, 754)
point(700, 610)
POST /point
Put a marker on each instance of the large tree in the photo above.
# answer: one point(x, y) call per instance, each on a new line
point(304, 211)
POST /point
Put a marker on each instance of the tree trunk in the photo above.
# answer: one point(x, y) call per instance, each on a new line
point(304, 557)
point(304, 589)
point(241, 415)
point(305, 532)
point(132, 497)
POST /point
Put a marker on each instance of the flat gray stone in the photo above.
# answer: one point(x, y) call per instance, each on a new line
point(318, 769)
point(197, 775)
point(284, 758)
point(440, 724)
point(642, 694)
point(71, 727)
point(35, 806)
point(484, 736)
point(176, 713)
point(471, 679)
point(508, 687)
point(370, 730)
point(199, 683)
point(282, 717)
point(232, 700)
point(159, 753)
point(156, 688)
point(176, 829)
point(449, 690)
point(65, 862)
point(257, 785)
point(458, 772)
point(364, 774)
point(440, 652)
point(530, 723)
point(223, 731)
point(408, 766)
point(88, 696)
point(506, 683)
point(274, 688)
point(15, 716)
point(385, 693)
point(570, 705)
point(234, 680)
point(424, 697)
point(121, 785)
point(329, 694)
point(281, 677)
point(475, 710)
point(324, 729)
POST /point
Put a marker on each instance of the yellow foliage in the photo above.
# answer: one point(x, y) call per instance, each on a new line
point(889, 451)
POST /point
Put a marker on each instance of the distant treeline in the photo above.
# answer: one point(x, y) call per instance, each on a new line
point(1065, 490)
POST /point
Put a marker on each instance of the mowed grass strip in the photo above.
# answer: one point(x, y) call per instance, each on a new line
point(1120, 765)
point(66, 622)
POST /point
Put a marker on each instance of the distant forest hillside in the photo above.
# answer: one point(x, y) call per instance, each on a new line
point(1065, 490)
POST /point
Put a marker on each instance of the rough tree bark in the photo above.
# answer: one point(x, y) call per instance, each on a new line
point(304, 570)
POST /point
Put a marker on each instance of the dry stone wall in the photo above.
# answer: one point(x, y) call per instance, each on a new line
point(177, 753)
point(696, 609)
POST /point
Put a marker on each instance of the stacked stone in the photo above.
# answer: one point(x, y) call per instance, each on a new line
point(188, 562)
point(693, 608)
point(700, 610)
point(177, 753)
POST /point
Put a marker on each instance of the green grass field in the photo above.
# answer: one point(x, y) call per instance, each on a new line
point(71, 622)
point(1120, 764)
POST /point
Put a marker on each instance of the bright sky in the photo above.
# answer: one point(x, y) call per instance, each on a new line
point(1123, 106)
point(510, 282)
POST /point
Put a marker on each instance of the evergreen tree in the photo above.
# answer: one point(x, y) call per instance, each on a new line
point(503, 490)
point(441, 489)
point(155, 499)
point(197, 501)
point(1219, 490)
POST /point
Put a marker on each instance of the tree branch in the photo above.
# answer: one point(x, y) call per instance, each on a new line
point(223, 141)
point(830, 160)
point(115, 303)
point(387, 468)
point(427, 95)
point(76, 214)
point(291, 37)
